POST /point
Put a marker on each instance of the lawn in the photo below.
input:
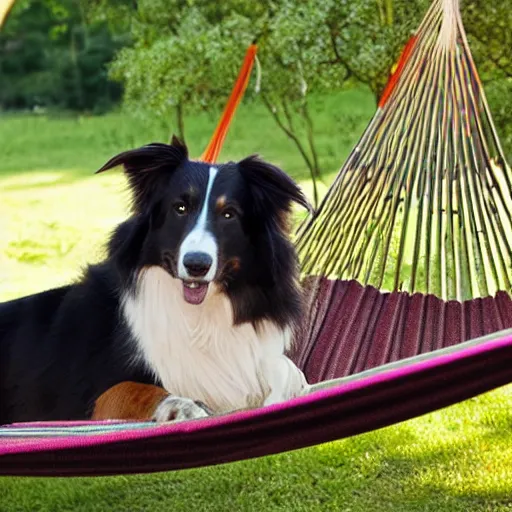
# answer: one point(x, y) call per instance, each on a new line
point(54, 215)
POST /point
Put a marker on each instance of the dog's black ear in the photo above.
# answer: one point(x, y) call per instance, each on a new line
point(270, 186)
point(147, 167)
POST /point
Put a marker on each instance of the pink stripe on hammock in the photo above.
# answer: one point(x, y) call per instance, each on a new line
point(246, 418)
point(43, 424)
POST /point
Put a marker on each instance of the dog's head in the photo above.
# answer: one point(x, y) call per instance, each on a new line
point(225, 224)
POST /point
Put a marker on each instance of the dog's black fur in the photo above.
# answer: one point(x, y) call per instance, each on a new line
point(60, 349)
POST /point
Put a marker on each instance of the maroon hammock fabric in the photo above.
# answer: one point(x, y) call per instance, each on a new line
point(348, 339)
point(352, 328)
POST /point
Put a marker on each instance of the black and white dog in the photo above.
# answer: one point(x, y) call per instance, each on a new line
point(199, 294)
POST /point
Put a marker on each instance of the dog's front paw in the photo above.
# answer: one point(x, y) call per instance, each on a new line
point(175, 408)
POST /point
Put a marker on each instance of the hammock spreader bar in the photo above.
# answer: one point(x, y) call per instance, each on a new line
point(340, 409)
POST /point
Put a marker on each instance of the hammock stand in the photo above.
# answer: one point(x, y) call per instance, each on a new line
point(428, 171)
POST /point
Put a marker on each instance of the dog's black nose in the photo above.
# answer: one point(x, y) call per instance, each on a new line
point(197, 263)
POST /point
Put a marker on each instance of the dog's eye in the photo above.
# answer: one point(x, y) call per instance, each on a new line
point(181, 208)
point(229, 214)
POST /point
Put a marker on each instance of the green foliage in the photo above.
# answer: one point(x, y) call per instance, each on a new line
point(322, 43)
point(488, 26)
point(490, 37)
point(175, 57)
point(499, 95)
point(50, 56)
point(182, 60)
point(186, 56)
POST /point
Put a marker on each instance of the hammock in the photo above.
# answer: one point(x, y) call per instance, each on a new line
point(421, 209)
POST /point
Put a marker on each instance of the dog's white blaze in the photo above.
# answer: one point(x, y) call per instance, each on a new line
point(200, 239)
point(197, 352)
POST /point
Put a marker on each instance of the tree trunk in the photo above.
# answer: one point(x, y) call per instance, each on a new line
point(311, 139)
point(290, 132)
point(85, 29)
point(77, 75)
point(179, 124)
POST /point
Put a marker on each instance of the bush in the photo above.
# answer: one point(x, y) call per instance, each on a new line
point(50, 59)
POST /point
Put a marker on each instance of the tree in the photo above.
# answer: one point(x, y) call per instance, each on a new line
point(52, 55)
point(187, 59)
point(366, 37)
point(180, 66)
point(186, 54)
point(178, 56)
point(293, 53)
point(488, 26)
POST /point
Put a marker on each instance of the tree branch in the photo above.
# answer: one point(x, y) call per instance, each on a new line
point(292, 136)
point(287, 114)
point(311, 138)
point(339, 59)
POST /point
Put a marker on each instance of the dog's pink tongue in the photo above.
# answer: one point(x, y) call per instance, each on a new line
point(195, 295)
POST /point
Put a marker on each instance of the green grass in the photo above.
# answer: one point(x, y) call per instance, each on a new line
point(54, 215)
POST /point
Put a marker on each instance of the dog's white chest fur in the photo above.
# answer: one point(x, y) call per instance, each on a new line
point(197, 352)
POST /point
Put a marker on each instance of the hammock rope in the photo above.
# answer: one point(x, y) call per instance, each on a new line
point(214, 147)
point(423, 202)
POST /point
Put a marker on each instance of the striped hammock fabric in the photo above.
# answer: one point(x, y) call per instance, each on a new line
point(407, 259)
point(332, 410)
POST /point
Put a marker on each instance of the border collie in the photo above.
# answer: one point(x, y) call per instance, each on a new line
point(199, 294)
